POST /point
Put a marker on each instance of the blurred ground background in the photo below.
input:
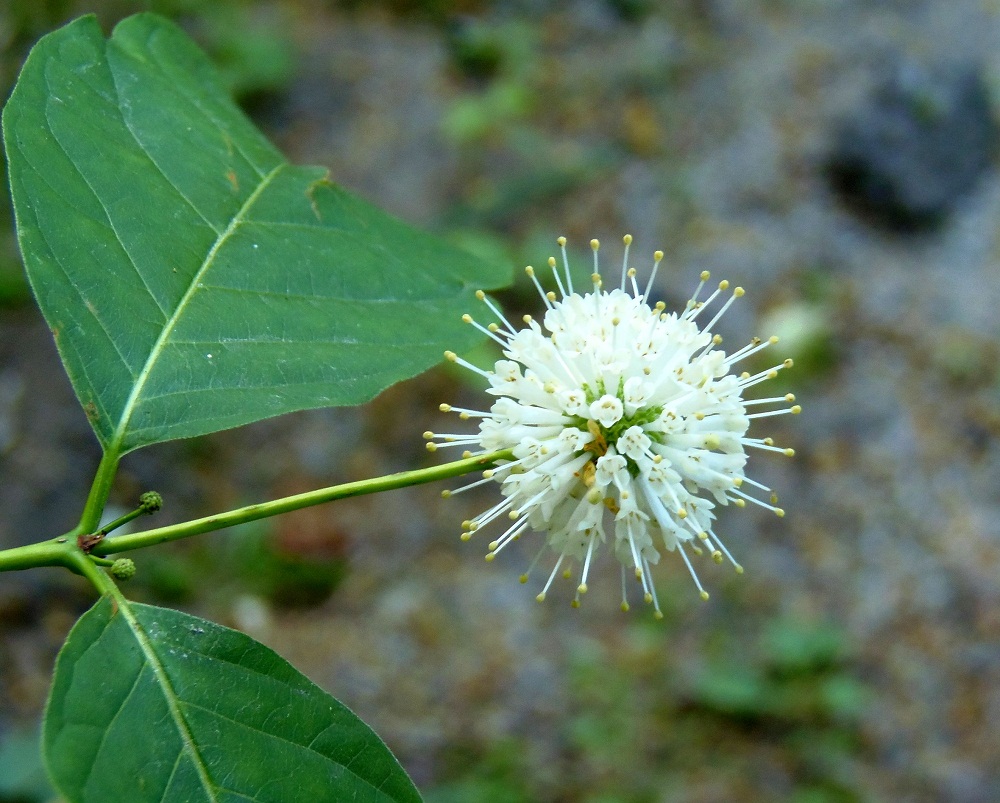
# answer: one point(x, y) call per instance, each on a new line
point(836, 159)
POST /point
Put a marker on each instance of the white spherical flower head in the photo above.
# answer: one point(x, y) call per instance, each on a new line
point(627, 426)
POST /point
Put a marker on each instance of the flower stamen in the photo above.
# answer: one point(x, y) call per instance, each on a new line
point(626, 424)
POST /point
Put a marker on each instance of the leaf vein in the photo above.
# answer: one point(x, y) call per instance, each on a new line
point(111, 722)
point(58, 261)
point(173, 772)
point(169, 695)
point(282, 739)
point(193, 286)
point(107, 213)
point(194, 100)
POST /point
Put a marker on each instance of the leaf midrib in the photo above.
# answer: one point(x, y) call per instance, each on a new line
point(187, 738)
point(121, 431)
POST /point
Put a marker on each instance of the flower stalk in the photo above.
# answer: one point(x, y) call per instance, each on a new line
point(263, 510)
point(66, 551)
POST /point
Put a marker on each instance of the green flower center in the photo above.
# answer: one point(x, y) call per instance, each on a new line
point(606, 436)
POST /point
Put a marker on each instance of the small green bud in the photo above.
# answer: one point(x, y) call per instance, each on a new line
point(123, 569)
point(150, 502)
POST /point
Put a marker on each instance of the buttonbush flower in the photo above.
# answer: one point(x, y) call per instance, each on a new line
point(627, 425)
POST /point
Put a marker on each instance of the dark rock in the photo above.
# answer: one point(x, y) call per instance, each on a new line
point(920, 143)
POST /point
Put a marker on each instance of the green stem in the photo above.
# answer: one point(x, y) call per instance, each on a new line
point(56, 552)
point(98, 496)
point(175, 532)
point(62, 551)
point(123, 520)
point(81, 563)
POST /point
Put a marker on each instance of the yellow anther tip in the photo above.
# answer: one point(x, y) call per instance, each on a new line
point(488, 474)
point(789, 453)
point(529, 270)
point(717, 556)
point(523, 579)
point(444, 408)
point(541, 597)
point(513, 515)
point(705, 275)
point(724, 284)
point(703, 536)
point(582, 588)
point(739, 292)
point(465, 536)
point(624, 607)
point(657, 255)
point(627, 239)
point(450, 355)
point(431, 447)
point(428, 435)
point(445, 493)
point(575, 604)
point(704, 595)
point(480, 295)
point(466, 454)
point(552, 262)
point(779, 512)
point(796, 409)
point(657, 614)
point(561, 240)
point(773, 339)
point(647, 598)
point(788, 363)
point(467, 318)
point(595, 244)
point(739, 569)
point(490, 556)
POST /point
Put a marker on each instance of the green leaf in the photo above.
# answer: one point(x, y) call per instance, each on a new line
point(149, 704)
point(194, 280)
